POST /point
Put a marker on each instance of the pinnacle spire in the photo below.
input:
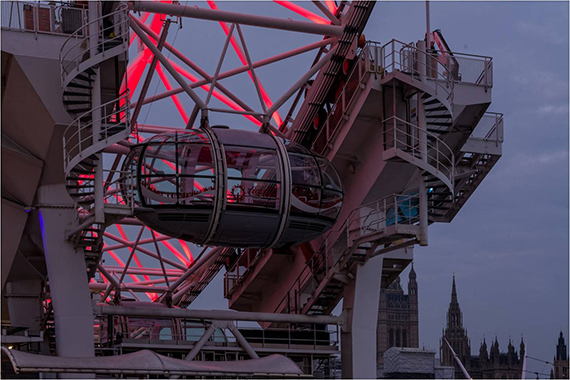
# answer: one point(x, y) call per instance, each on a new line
point(453, 291)
point(412, 272)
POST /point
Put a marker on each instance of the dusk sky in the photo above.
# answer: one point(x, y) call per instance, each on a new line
point(508, 246)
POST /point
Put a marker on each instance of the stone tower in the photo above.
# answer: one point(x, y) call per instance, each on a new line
point(456, 335)
point(491, 364)
point(397, 317)
point(414, 312)
point(561, 359)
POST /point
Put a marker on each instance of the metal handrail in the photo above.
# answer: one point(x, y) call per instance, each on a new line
point(400, 56)
point(351, 230)
point(495, 132)
point(81, 36)
point(483, 74)
point(407, 136)
point(124, 183)
point(83, 131)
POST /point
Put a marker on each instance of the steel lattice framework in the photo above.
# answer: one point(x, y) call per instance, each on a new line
point(137, 260)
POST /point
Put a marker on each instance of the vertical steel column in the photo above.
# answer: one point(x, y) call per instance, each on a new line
point(94, 33)
point(423, 211)
point(358, 336)
point(422, 140)
point(421, 59)
point(67, 274)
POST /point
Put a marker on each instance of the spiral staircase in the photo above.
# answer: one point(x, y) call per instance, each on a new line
point(91, 60)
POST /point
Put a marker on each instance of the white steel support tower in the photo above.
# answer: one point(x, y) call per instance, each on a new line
point(113, 227)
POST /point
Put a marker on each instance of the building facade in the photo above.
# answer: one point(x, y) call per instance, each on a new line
point(489, 364)
point(398, 317)
point(560, 370)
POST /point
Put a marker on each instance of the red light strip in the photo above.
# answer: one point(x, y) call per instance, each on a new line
point(135, 257)
point(143, 19)
point(135, 278)
point(135, 72)
point(186, 250)
point(216, 93)
point(175, 99)
point(303, 12)
point(241, 55)
point(176, 253)
point(331, 5)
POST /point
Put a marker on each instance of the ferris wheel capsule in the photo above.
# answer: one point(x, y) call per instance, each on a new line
point(232, 188)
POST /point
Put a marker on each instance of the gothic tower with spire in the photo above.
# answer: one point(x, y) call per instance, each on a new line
point(490, 364)
point(397, 317)
point(456, 335)
point(560, 360)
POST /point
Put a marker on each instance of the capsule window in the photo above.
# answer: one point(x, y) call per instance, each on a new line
point(330, 177)
point(305, 200)
point(332, 203)
point(195, 159)
point(195, 190)
point(304, 170)
point(253, 177)
point(159, 159)
point(159, 190)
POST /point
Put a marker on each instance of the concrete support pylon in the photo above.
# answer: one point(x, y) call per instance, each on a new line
point(358, 336)
point(67, 276)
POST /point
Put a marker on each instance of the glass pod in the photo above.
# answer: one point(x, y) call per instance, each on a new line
point(233, 188)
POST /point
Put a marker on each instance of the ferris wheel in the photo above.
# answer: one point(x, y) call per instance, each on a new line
point(272, 69)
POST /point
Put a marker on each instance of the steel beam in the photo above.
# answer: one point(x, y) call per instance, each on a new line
point(167, 65)
point(145, 251)
point(232, 72)
point(326, 12)
point(150, 73)
point(195, 266)
point(238, 18)
point(222, 315)
point(301, 82)
point(242, 341)
point(193, 66)
point(200, 343)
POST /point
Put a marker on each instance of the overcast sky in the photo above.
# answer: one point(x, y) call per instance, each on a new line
point(508, 246)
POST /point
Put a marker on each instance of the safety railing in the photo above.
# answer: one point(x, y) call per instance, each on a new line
point(238, 272)
point(53, 17)
point(366, 220)
point(111, 30)
point(408, 59)
point(469, 68)
point(407, 137)
point(489, 128)
point(181, 331)
point(118, 183)
point(117, 189)
point(80, 136)
point(352, 87)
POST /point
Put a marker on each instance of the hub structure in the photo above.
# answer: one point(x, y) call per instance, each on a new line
point(112, 227)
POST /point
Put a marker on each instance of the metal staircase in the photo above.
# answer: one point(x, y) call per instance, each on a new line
point(392, 222)
point(100, 120)
point(473, 165)
point(370, 230)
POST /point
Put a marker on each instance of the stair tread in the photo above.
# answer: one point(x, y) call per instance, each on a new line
point(66, 101)
point(84, 78)
point(78, 85)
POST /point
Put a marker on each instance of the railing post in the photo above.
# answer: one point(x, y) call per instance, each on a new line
point(486, 75)
point(377, 217)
